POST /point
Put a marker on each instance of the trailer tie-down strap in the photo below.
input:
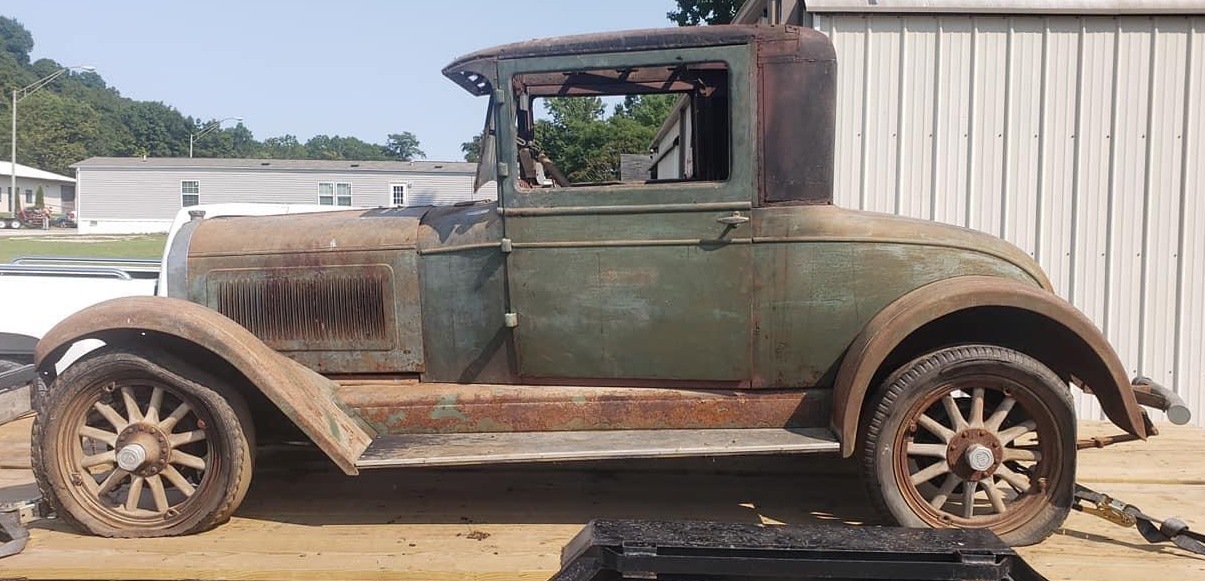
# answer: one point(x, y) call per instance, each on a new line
point(1127, 515)
point(13, 535)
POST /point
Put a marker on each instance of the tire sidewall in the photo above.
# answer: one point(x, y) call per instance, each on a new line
point(222, 483)
point(916, 380)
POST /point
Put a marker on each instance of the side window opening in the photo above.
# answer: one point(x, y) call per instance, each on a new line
point(602, 127)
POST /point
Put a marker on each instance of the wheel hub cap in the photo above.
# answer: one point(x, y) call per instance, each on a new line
point(142, 449)
point(131, 457)
point(979, 457)
point(974, 454)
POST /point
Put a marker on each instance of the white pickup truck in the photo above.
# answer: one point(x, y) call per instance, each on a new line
point(48, 289)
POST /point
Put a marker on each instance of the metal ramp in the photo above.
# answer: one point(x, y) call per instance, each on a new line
point(513, 447)
point(609, 550)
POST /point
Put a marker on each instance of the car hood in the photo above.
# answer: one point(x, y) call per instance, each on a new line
point(375, 229)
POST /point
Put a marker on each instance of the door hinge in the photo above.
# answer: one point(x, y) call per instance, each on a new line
point(511, 320)
point(507, 247)
point(503, 169)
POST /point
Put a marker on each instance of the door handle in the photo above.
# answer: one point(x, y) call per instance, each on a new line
point(736, 219)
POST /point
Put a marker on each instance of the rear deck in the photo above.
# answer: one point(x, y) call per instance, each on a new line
point(305, 520)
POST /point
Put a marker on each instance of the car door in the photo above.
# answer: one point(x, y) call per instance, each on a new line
point(635, 281)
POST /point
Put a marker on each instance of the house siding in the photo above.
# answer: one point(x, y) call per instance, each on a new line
point(152, 195)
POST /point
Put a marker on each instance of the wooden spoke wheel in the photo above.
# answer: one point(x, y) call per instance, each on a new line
point(129, 448)
point(973, 437)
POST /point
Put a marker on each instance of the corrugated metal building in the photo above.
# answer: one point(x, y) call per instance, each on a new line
point(1075, 130)
point(130, 194)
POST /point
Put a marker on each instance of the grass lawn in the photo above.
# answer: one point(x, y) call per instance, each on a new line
point(90, 246)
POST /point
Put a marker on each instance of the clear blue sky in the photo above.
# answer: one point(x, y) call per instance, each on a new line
point(357, 67)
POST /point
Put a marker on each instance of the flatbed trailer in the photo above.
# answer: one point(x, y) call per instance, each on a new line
point(305, 520)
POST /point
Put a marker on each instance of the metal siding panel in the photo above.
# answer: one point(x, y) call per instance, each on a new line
point(881, 145)
point(1190, 368)
point(1090, 223)
point(1092, 167)
point(1060, 88)
point(915, 184)
point(849, 35)
point(986, 172)
point(1023, 122)
point(952, 109)
point(1127, 195)
point(1164, 180)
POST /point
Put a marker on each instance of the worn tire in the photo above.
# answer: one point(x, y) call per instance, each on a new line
point(207, 449)
point(1021, 476)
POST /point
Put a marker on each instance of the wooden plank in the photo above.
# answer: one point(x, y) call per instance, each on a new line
point(305, 520)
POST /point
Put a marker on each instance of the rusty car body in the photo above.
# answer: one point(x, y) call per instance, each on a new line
point(726, 307)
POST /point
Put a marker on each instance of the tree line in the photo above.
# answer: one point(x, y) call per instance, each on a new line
point(80, 116)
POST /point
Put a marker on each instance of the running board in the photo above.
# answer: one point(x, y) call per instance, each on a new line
point(510, 447)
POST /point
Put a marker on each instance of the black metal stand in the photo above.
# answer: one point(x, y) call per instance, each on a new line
point(628, 549)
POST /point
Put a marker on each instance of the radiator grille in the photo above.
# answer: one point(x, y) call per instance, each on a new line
point(327, 309)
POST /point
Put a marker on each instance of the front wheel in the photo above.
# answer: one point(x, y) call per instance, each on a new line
point(127, 447)
point(974, 436)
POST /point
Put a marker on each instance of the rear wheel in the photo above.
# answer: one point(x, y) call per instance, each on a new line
point(129, 448)
point(974, 436)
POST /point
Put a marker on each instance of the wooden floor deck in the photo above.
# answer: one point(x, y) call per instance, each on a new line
point(302, 520)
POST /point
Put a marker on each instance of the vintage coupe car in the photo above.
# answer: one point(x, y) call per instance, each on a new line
point(713, 302)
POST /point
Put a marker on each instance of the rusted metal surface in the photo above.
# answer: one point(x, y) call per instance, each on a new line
point(1088, 356)
point(398, 407)
point(304, 309)
point(822, 272)
point(793, 71)
point(336, 291)
point(239, 236)
point(306, 397)
point(463, 71)
point(464, 296)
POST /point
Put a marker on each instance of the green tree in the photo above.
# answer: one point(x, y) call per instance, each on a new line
point(283, 147)
point(15, 40)
point(695, 12)
point(55, 132)
point(155, 129)
point(39, 198)
point(336, 147)
point(472, 149)
point(403, 146)
point(587, 144)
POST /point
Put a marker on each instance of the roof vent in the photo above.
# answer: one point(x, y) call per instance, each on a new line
point(355, 165)
point(265, 163)
point(439, 166)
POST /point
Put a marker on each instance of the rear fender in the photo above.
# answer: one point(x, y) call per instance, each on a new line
point(305, 397)
point(1086, 356)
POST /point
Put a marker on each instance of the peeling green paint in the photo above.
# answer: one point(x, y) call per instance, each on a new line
point(446, 409)
point(333, 427)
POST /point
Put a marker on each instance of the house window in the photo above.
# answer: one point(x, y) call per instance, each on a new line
point(28, 196)
point(334, 194)
point(190, 193)
point(399, 194)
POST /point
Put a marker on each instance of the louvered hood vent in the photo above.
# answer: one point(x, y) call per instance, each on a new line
point(347, 308)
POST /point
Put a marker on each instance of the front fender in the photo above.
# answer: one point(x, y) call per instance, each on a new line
point(1093, 361)
point(303, 395)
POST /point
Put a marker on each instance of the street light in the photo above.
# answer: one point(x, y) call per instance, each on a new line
point(19, 94)
point(193, 136)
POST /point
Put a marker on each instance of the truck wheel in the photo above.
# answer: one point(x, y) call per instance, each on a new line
point(974, 436)
point(129, 448)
